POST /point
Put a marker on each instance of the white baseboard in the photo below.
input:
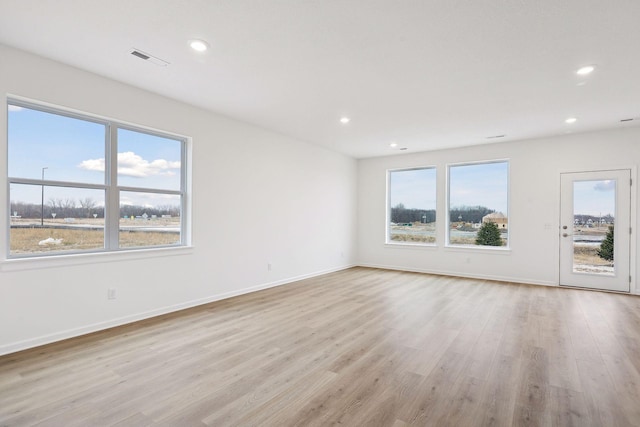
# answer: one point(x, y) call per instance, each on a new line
point(95, 327)
point(526, 281)
point(459, 274)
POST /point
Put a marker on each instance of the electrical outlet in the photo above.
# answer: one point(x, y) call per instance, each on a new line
point(111, 293)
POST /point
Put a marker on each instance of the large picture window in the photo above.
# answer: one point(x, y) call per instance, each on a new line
point(81, 184)
point(478, 209)
point(412, 206)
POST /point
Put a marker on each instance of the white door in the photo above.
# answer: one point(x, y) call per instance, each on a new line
point(595, 209)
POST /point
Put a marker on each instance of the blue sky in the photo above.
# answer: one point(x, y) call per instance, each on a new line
point(594, 198)
point(74, 150)
point(415, 188)
point(482, 184)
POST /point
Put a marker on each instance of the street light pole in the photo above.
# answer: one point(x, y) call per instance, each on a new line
point(42, 200)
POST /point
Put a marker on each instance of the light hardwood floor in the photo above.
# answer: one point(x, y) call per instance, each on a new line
point(361, 347)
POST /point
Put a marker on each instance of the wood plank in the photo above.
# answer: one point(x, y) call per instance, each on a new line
point(532, 399)
point(568, 408)
point(498, 397)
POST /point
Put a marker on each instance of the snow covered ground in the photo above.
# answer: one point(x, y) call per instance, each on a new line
point(594, 269)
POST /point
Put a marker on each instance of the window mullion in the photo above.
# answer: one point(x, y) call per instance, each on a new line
point(49, 183)
point(112, 215)
point(183, 189)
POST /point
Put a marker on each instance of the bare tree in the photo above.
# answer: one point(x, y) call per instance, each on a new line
point(87, 204)
point(65, 208)
point(55, 203)
point(55, 206)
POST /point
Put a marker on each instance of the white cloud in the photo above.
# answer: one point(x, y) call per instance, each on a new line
point(131, 164)
point(15, 108)
point(607, 185)
point(92, 165)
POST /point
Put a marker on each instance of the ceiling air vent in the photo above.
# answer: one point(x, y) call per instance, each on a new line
point(143, 55)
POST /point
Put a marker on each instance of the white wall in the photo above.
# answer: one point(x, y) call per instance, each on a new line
point(258, 198)
point(535, 167)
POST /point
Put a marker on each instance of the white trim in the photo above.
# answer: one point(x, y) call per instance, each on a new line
point(447, 243)
point(84, 115)
point(459, 274)
point(80, 258)
point(479, 162)
point(387, 229)
point(95, 327)
point(408, 245)
point(503, 250)
point(411, 168)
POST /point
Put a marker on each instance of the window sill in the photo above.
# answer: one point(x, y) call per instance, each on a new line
point(63, 260)
point(406, 245)
point(500, 250)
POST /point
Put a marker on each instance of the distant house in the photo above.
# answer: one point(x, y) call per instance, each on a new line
point(497, 218)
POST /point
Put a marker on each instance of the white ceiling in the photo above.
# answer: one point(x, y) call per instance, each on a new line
point(427, 74)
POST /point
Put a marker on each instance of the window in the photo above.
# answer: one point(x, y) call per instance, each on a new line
point(412, 206)
point(81, 184)
point(478, 204)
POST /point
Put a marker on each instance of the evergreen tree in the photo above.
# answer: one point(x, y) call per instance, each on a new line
point(489, 235)
point(606, 248)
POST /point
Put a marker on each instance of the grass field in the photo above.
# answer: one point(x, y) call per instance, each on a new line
point(417, 233)
point(413, 238)
point(583, 254)
point(587, 254)
point(25, 239)
point(426, 233)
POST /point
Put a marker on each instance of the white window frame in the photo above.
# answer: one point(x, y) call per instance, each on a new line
point(448, 245)
point(110, 187)
point(388, 240)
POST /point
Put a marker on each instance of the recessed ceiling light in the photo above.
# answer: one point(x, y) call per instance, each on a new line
point(344, 120)
point(571, 120)
point(198, 45)
point(393, 145)
point(588, 69)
